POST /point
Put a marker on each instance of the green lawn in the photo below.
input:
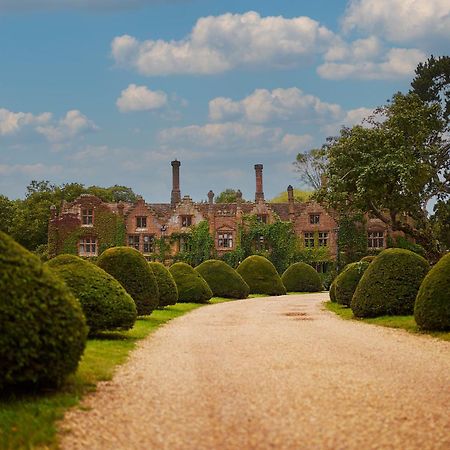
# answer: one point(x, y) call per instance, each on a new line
point(404, 322)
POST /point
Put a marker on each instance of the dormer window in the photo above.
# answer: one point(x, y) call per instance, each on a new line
point(186, 221)
point(87, 216)
point(141, 222)
point(314, 219)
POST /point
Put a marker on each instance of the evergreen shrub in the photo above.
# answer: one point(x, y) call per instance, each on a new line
point(43, 329)
point(168, 291)
point(261, 276)
point(128, 266)
point(191, 285)
point(223, 280)
point(432, 307)
point(390, 284)
point(347, 281)
point(106, 304)
point(368, 258)
point(333, 291)
point(301, 277)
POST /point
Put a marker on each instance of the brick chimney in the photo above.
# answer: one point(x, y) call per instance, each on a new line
point(176, 193)
point(259, 194)
point(290, 193)
point(210, 197)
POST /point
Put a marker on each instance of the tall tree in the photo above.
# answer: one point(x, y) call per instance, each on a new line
point(311, 166)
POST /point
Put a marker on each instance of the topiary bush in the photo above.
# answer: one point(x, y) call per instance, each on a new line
point(432, 306)
point(168, 291)
point(368, 258)
point(301, 277)
point(261, 276)
point(333, 291)
point(347, 281)
point(223, 280)
point(43, 329)
point(131, 269)
point(106, 304)
point(389, 285)
point(191, 286)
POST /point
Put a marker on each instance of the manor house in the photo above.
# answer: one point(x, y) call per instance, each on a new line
point(88, 225)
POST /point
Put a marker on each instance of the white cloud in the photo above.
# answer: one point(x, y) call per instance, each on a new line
point(12, 122)
point(220, 43)
point(140, 98)
point(399, 20)
point(32, 170)
point(91, 152)
point(74, 124)
point(263, 106)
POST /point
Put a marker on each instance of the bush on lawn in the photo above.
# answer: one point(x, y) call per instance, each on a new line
point(333, 291)
point(223, 280)
point(191, 286)
point(347, 281)
point(389, 285)
point(301, 277)
point(168, 292)
point(131, 269)
point(261, 276)
point(43, 329)
point(106, 304)
point(432, 307)
point(368, 258)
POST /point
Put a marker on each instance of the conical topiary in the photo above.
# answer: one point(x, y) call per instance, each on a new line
point(347, 281)
point(432, 307)
point(168, 291)
point(191, 285)
point(223, 280)
point(261, 276)
point(301, 277)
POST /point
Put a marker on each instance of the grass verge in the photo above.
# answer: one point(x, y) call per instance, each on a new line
point(404, 322)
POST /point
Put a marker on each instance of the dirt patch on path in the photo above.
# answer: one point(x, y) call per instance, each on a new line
point(250, 375)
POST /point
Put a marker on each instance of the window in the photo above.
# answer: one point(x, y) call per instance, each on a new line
point(87, 216)
point(141, 222)
point(309, 239)
point(133, 241)
point(186, 221)
point(87, 246)
point(261, 243)
point(148, 243)
point(375, 239)
point(314, 219)
point(323, 239)
point(225, 240)
point(262, 218)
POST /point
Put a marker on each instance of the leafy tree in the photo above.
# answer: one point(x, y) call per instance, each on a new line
point(311, 166)
point(299, 196)
point(228, 196)
point(7, 212)
point(441, 223)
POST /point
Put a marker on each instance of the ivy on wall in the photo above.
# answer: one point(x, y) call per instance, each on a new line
point(352, 238)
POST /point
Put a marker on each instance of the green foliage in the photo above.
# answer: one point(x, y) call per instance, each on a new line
point(261, 276)
point(106, 304)
point(441, 223)
point(223, 280)
point(234, 257)
point(228, 196)
point(311, 166)
point(368, 258)
point(347, 281)
point(43, 330)
point(389, 285)
point(352, 238)
point(168, 291)
point(301, 277)
point(191, 286)
point(299, 196)
point(200, 245)
point(401, 242)
point(131, 269)
point(333, 291)
point(7, 212)
point(432, 306)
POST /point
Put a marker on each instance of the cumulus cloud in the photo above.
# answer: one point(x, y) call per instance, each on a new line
point(12, 122)
point(352, 117)
point(140, 98)
point(220, 43)
point(399, 20)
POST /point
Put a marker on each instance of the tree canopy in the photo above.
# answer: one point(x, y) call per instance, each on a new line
point(229, 195)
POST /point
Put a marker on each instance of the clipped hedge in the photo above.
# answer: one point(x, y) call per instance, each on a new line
point(432, 307)
point(43, 329)
point(368, 258)
point(333, 291)
point(106, 304)
point(223, 280)
point(168, 291)
point(389, 285)
point(261, 276)
point(301, 277)
point(191, 286)
point(131, 269)
point(347, 281)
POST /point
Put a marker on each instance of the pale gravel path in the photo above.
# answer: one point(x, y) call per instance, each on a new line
point(244, 375)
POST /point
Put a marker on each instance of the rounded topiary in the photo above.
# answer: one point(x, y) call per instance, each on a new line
point(301, 277)
point(131, 269)
point(223, 280)
point(168, 291)
point(333, 291)
point(261, 276)
point(106, 304)
point(347, 281)
point(191, 286)
point(432, 307)
point(368, 258)
point(43, 329)
point(389, 285)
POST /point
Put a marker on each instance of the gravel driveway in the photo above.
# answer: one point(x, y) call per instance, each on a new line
point(271, 373)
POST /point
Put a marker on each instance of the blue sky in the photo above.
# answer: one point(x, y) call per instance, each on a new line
point(109, 92)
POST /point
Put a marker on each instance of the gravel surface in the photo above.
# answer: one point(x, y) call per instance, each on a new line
point(271, 373)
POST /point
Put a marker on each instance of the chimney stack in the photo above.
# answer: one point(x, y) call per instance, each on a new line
point(210, 197)
point(176, 193)
point(259, 194)
point(290, 193)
